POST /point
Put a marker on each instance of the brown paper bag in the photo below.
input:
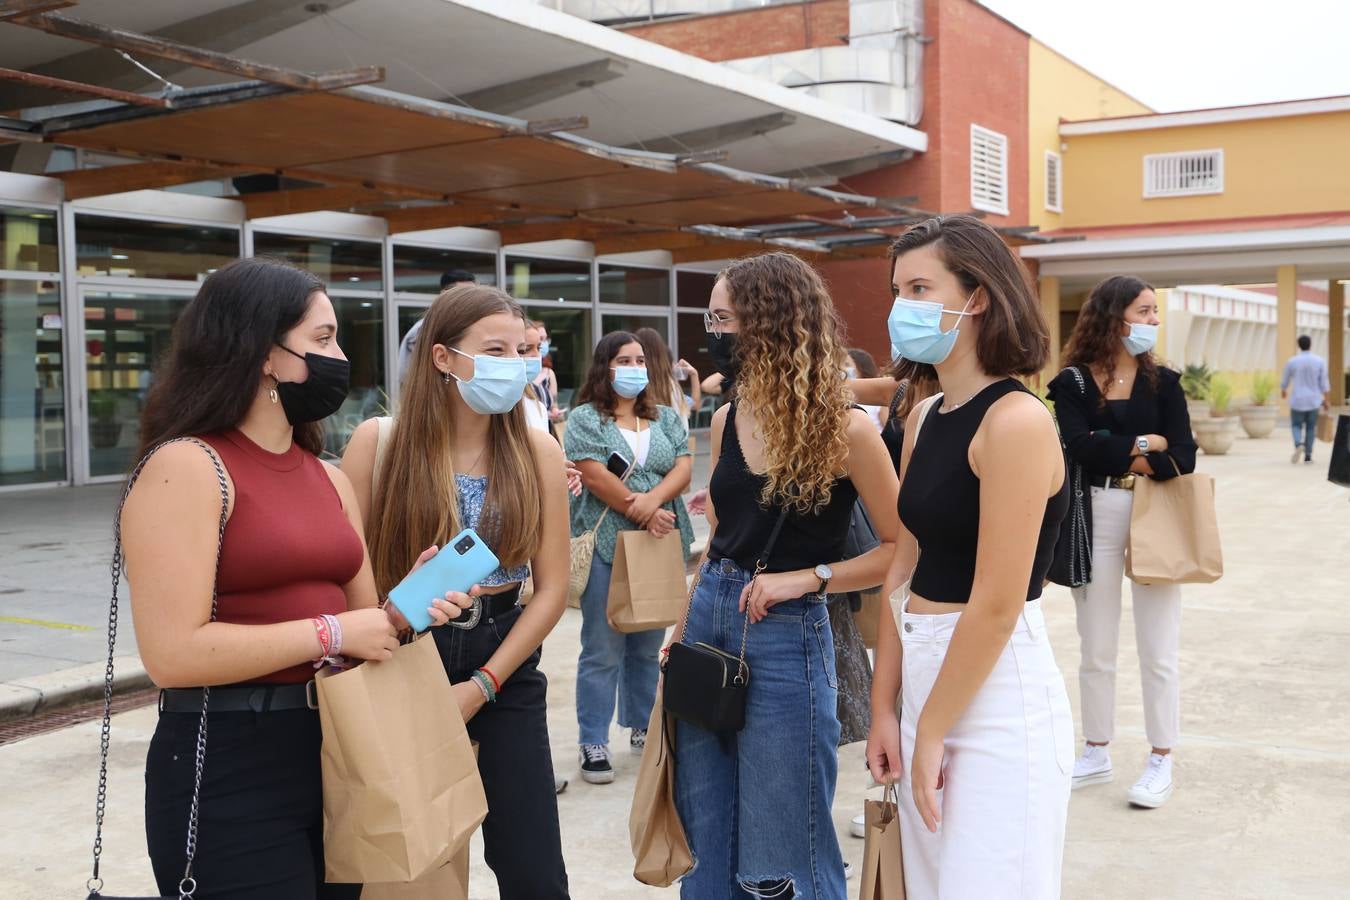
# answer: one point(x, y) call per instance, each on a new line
point(401, 791)
point(660, 848)
point(449, 882)
point(868, 618)
point(647, 588)
point(1174, 532)
point(883, 872)
point(1326, 427)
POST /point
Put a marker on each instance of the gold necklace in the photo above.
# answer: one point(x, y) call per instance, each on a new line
point(955, 406)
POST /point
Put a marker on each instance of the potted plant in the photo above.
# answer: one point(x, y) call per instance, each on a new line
point(1258, 417)
point(105, 431)
point(1195, 381)
point(1216, 432)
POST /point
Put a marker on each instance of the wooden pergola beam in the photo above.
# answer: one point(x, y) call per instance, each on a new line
point(712, 248)
point(421, 218)
point(302, 200)
point(647, 240)
point(563, 229)
point(139, 176)
point(79, 87)
point(162, 48)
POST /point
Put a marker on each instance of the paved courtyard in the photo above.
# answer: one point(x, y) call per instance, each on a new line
point(1262, 807)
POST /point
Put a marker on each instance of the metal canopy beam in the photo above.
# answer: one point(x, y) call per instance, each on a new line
point(514, 96)
point(12, 8)
point(715, 137)
point(162, 48)
point(79, 87)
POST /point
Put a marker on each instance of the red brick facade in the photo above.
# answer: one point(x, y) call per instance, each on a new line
point(974, 72)
point(753, 32)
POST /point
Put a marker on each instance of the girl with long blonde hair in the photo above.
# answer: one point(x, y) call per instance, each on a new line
point(460, 455)
point(789, 459)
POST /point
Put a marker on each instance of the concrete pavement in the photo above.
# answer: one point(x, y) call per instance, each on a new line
point(1263, 773)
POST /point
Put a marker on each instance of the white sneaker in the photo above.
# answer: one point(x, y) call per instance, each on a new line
point(1093, 767)
point(1298, 452)
point(1155, 785)
point(848, 871)
point(858, 827)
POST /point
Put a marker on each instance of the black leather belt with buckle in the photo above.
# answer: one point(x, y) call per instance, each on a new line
point(487, 605)
point(1120, 483)
point(241, 698)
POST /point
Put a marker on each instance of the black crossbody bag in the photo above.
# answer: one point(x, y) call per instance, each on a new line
point(705, 685)
point(1071, 564)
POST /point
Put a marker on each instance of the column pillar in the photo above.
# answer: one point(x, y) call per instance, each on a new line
point(1050, 307)
point(1336, 340)
point(1286, 315)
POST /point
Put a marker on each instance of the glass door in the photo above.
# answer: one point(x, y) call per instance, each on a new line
point(125, 334)
point(32, 383)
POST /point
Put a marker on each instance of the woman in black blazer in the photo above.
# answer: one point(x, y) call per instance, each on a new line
point(1123, 417)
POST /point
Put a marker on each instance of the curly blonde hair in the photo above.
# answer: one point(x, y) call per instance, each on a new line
point(791, 375)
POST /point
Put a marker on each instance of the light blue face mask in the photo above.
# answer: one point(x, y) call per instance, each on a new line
point(544, 348)
point(496, 385)
point(916, 330)
point(1141, 339)
point(629, 381)
point(533, 366)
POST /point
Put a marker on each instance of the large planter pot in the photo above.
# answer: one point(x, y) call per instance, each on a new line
point(1215, 435)
point(1198, 409)
point(105, 435)
point(1259, 421)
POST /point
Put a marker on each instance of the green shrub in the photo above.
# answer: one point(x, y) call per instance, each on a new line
point(1195, 379)
point(1220, 395)
point(1263, 387)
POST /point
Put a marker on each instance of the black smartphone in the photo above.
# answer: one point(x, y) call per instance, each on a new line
point(619, 465)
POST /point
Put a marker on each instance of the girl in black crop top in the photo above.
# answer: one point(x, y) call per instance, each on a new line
point(789, 448)
point(984, 713)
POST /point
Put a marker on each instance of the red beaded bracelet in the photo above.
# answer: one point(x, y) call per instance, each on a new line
point(495, 683)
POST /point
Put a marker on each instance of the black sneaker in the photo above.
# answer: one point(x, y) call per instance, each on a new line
point(637, 741)
point(595, 767)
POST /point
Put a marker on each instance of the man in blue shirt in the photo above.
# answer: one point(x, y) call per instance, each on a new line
point(1305, 385)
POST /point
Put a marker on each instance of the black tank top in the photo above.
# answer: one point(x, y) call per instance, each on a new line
point(940, 502)
point(743, 526)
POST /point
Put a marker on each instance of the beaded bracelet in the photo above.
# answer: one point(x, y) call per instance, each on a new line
point(496, 685)
point(486, 686)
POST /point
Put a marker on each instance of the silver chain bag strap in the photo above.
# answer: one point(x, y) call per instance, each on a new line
point(188, 885)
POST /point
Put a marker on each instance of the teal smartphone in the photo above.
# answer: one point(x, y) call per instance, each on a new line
point(463, 562)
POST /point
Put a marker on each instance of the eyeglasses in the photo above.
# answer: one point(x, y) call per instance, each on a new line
point(716, 324)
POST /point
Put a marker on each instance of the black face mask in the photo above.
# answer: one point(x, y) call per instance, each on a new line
point(318, 396)
point(722, 349)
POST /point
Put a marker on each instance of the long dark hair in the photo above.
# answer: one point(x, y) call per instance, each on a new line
point(598, 388)
point(1095, 342)
point(660, 372)
point(210, 375)
point(1014, 338)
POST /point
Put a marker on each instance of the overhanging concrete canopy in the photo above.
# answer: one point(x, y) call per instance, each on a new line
point(453, 48)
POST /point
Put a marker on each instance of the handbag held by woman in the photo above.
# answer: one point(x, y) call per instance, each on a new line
point(706, 685)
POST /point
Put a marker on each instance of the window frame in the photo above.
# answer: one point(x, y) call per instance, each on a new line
point(1152, 192)
point(981, 133)
point(1057, 181)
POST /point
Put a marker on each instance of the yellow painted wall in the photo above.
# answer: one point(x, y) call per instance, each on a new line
point(1060, 89)
point(1295, 164)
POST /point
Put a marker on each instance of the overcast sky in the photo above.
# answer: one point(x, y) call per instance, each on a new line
point(1192, 54)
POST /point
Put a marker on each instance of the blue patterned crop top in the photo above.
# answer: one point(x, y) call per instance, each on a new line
point(472, 494)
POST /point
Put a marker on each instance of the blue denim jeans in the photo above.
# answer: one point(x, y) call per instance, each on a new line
point(1304, 420)
point(612, 662)
point(756, 805)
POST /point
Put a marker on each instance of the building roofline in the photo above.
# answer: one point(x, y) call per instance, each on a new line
point(1212, 116)
point(1111, 84)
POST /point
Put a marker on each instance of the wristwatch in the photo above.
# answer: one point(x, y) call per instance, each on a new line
point(824, 573)
point(1142, 444)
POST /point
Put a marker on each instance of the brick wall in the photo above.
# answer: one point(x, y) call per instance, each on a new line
point(753, 32)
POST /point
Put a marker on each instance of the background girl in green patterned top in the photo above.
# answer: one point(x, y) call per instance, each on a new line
point(615, 413)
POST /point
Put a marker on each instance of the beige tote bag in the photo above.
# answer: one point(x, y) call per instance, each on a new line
point(660, 849)
point(1174, 532)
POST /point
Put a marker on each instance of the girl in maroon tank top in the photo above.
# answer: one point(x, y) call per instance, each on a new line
point(461, 455)
point(253, 368)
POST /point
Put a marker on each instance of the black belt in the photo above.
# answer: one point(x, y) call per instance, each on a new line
point(487, 607)
point(1119, 482)
point(241, 698)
